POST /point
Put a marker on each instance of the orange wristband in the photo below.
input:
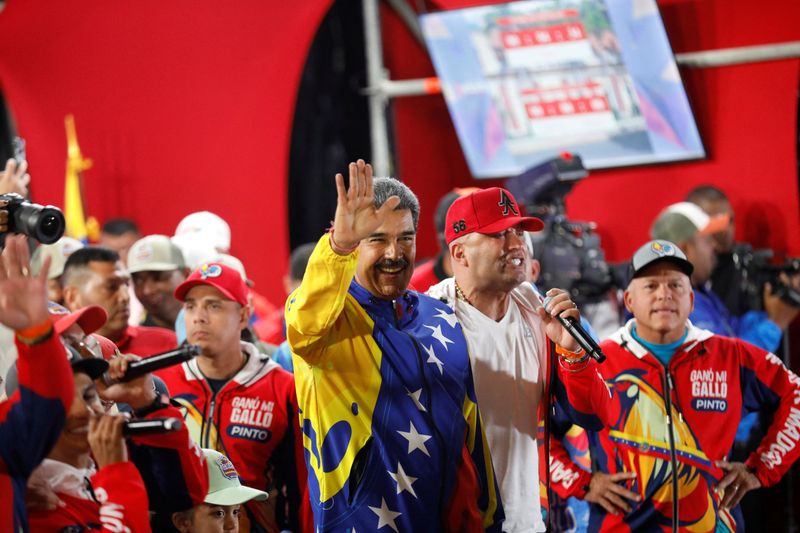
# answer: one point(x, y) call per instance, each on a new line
point(35, 334)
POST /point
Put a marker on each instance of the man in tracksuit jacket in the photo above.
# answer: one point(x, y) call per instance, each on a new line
point(239, 402)
point(678, 393)
point(32, 418)
point(391, 428)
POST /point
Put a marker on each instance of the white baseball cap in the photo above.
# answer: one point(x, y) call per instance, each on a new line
point(212, 227)
point(224, 487)
point(59, 251)
point(154, 253)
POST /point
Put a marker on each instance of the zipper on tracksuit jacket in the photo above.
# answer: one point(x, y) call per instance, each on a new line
point(673, 458)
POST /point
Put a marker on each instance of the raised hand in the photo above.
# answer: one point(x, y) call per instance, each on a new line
point(356, 215)
point(15, 178)
point(23, 297)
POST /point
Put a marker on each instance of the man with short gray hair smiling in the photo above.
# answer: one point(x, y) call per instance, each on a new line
point(678, 393)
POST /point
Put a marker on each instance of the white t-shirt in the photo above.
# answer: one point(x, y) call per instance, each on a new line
point(509, 363)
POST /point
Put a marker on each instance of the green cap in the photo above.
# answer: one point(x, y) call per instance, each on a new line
point(224, 487)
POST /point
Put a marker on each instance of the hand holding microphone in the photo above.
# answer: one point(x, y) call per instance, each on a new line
point(128, 379)
point(557, 305)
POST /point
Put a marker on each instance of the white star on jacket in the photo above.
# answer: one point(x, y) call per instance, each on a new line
point(385, 515)
point(415, 397)
point(439, 336)
point(450, 318)
point(404, 481)
point(433, 359)
point(416, 440)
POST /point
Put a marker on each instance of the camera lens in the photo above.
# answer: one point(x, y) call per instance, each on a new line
point(49, 226)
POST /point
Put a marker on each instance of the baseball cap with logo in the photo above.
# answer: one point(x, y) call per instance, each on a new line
point(154, 253)
point(90, 319)
point(224, 487)
point(212, 227)
point(486, 211)
point(680, 222)
point(222, 277)
point(233, 262)
point(59, 251)
point(659, 250)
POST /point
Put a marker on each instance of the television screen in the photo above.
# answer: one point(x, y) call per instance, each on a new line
point(526, 81)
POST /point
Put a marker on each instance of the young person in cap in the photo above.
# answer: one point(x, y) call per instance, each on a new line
point(391, 428)
point(509, 333)
point(688, 226)
point(33, 416)
point(166, 470)
point(237, 400)
point(157, 267)
point(678, 393)
point(96, 276)
point(222, 507)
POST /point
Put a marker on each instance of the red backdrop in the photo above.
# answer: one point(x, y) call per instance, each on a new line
point(182, 106)
point(188, 105)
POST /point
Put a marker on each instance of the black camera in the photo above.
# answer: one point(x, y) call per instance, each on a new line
point(569, 251)
point(45, 223)
point(755, 270)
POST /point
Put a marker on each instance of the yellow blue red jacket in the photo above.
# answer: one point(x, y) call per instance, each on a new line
point(669, 424)
point(390, 424)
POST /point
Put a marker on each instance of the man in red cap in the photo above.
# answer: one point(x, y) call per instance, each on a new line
point(510, 333)
point(237, 400)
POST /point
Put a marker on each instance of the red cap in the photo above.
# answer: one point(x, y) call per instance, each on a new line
point(90, 318)
point(107, 346)
point(486, 211)
point(222, 277)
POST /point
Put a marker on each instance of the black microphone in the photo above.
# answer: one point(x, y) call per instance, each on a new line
point(583, 339)
point(156, 362)
point(151, 426)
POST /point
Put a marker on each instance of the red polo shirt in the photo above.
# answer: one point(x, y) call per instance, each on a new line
point(145, 341)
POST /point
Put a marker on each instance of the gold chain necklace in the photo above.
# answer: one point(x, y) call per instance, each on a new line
point(460, 293)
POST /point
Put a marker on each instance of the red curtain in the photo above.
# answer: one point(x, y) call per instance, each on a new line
point(182, 106)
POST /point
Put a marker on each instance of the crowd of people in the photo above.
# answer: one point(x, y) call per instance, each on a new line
point(379, 398)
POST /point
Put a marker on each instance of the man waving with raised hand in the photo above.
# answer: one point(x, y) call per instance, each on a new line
point(390, 424)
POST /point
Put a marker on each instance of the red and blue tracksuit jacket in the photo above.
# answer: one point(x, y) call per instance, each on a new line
point(391, 429)
point(670, 424)
point(30, 422)
point(253, 420)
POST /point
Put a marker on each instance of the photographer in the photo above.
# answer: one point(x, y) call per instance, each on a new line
point(687, 225)
point(727, 277)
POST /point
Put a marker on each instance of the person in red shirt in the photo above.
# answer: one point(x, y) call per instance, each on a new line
point(111, 492)
point(238, 401)
point(96, 276)
point(32, 418)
